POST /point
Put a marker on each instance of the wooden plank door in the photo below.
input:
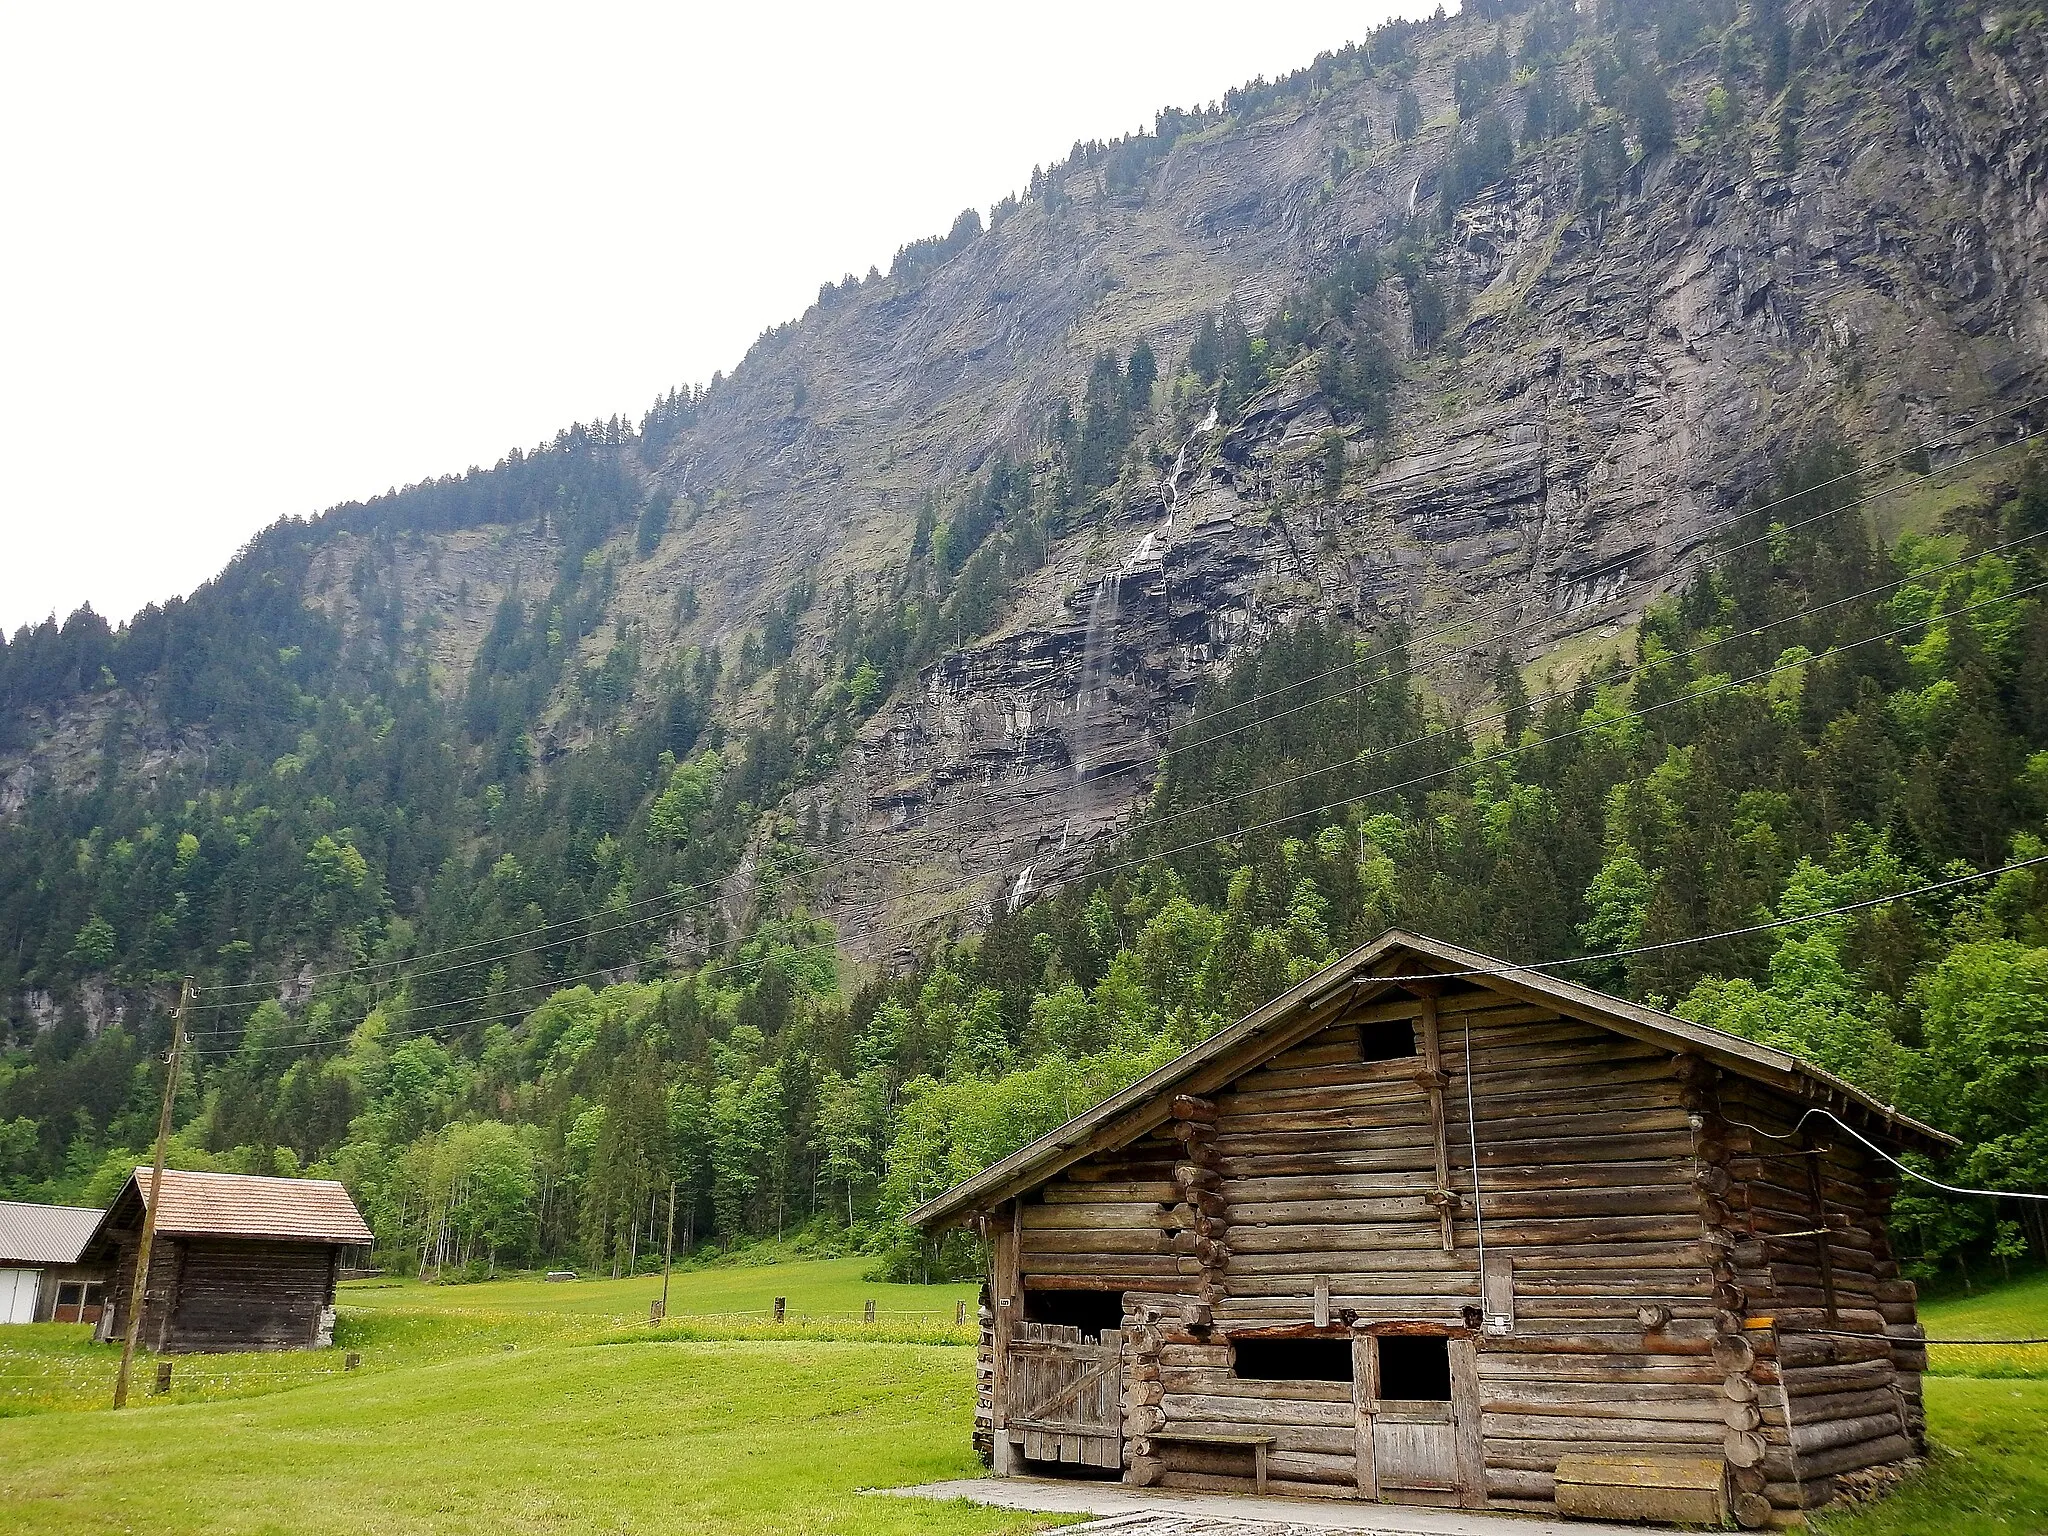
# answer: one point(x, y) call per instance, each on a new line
point(1420, 1441)
point(1064, 1394)
point(1415, 1452)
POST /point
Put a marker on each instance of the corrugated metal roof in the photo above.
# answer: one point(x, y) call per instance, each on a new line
point(44, 1234)
point(245, 1205)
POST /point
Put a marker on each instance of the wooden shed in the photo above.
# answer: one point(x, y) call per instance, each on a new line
point(1433, 1229)
point(239, 1262)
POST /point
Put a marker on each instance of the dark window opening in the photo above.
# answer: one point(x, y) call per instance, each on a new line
point(1415, 1369)
point(1293, 1359)
point(1386, 1040)
point(1089, 1311)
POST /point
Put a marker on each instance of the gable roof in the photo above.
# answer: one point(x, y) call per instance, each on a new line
point(244, 1205)
point(1314, 1003)
point(44, 1234)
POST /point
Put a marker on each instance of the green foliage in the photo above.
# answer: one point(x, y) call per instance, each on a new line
point(1476, 77)
point(1407, 115)
point(1476, 163)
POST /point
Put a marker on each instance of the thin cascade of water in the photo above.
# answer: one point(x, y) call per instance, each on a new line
point(1102, 611)
point(1180, 462)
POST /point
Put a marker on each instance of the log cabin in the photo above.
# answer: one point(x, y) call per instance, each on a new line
point(238, 1262)
point(1433, 1228)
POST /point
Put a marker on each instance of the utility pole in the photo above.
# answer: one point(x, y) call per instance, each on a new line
point(668, 1247)
point(139, 1292)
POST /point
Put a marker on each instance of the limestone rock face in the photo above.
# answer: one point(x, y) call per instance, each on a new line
point(1619, 382)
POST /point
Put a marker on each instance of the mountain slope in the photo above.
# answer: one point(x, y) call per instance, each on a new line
point(1594, 349)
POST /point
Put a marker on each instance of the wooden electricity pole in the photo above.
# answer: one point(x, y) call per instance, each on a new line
point(668, 1247)
point(139, 1292)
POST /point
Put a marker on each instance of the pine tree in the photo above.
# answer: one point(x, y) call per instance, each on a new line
point(1142, 373)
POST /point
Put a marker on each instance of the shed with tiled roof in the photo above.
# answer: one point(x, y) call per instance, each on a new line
point(240, 1262)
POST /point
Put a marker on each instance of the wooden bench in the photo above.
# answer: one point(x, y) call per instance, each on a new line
point(1258, 1445)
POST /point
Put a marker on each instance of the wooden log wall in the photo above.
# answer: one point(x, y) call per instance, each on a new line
point(121, 1287)
point(1108, 1224)
point(1354, 1170)
point(1838, 1351)
point(232, 1295)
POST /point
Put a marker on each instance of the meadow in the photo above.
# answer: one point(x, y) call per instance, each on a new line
point(528, 1406)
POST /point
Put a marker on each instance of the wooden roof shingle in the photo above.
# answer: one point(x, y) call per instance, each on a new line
point(248, 1206)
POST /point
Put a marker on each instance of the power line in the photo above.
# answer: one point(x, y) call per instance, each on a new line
point(1513, 968)
point(1708, 559)
point(455, 949)
point(410, 976)
point(1951, 1189)
point(554, 984)
point(1603, 724)
point(405, 968)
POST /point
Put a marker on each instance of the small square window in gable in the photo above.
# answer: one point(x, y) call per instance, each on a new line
point(1386, 1039)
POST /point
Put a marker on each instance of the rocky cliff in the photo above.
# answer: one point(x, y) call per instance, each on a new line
point(1615, 384)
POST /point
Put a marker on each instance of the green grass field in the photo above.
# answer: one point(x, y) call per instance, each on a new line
point(815, 1288)
point(400, 1324)
point(643, 1438)
point(716, 1421)
point(1987, 1416)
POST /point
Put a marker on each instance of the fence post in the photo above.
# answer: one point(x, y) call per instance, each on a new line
point(654, 1310)
point(351, 1361)
point(960, 1314)
point(780, 1302)
point(163, 1377)
point(869, 1312)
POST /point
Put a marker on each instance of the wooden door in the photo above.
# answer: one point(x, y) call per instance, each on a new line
point(1419, 1396)
point(1064, 1395)
point(18, 1291)
point(1415, 1452)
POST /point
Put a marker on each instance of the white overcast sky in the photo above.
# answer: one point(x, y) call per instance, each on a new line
point(256, 260)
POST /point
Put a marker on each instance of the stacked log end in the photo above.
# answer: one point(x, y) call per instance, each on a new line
point(985, 1382)
point(1838, 1350)
point(1202, 1233)
point(1743, 1381)
point(1142, 1395)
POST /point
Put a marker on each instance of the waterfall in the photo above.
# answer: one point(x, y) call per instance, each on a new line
point(1101, 626)
point(1180, 462)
